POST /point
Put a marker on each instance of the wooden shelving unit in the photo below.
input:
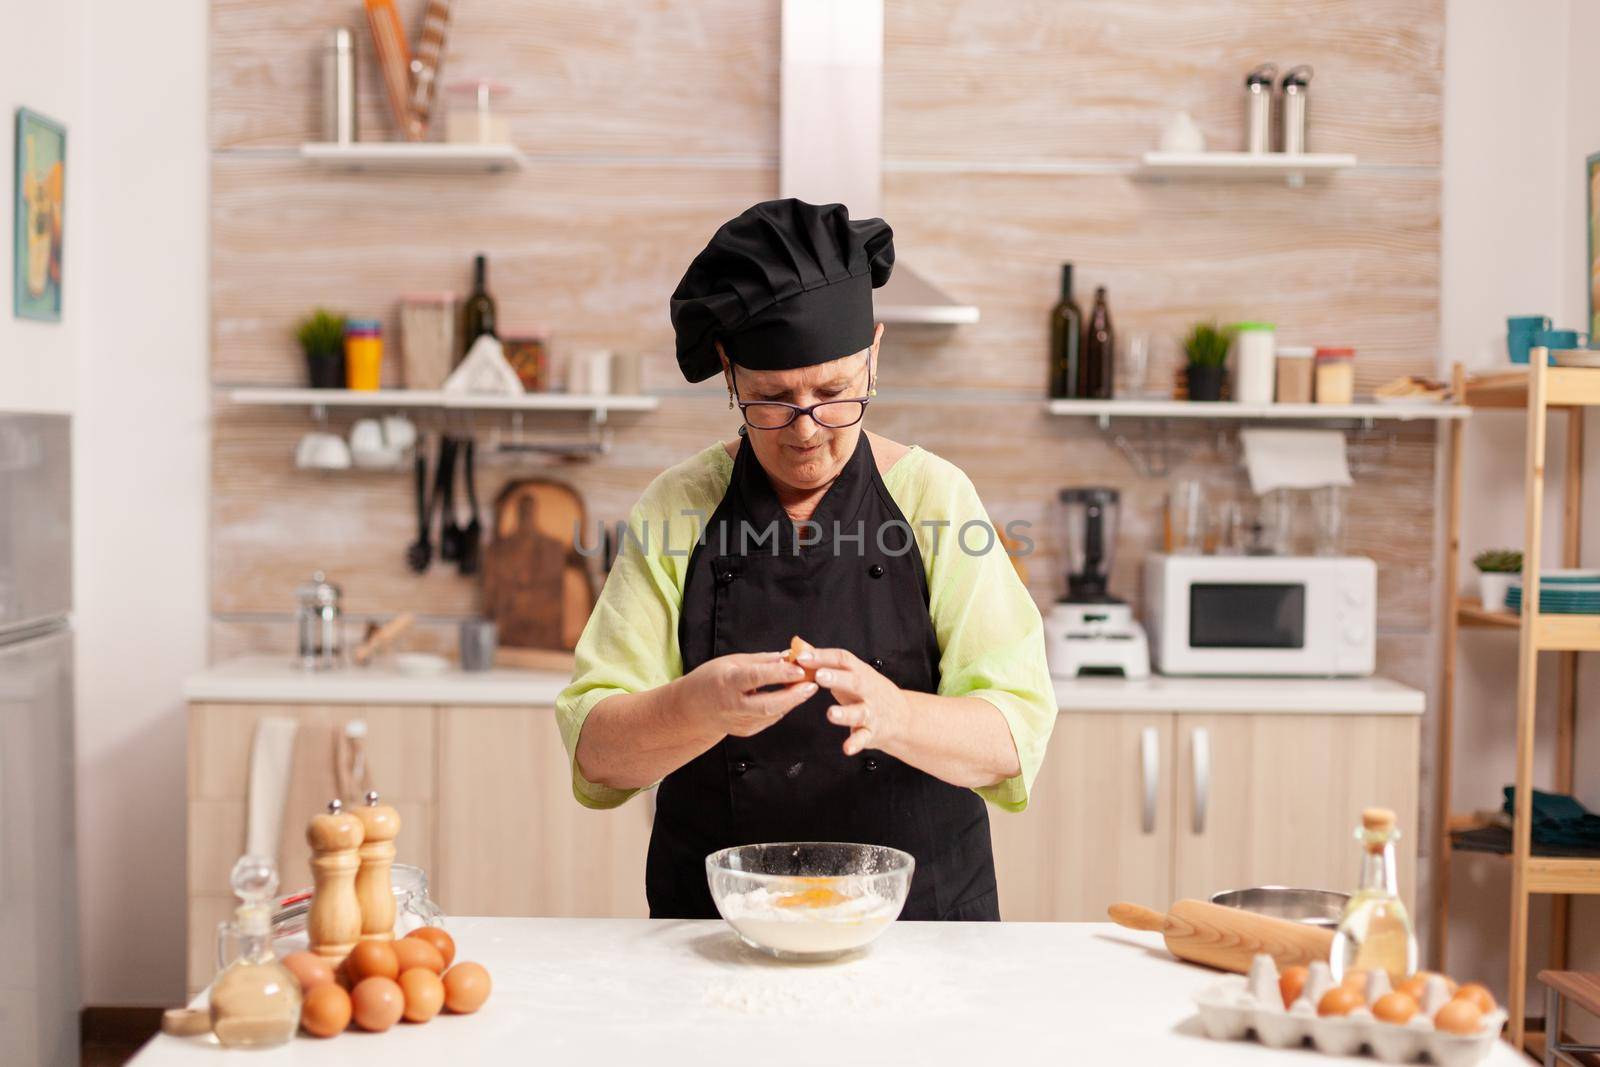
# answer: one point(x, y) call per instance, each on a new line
point(1538, 389)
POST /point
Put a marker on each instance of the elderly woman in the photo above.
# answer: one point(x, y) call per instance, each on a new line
point(927, 691)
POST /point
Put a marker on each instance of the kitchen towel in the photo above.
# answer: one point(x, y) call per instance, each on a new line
point(271, 762)
point(1294, 459)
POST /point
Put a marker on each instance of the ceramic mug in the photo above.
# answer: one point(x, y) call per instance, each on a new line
point(1556, 340)
point(322, 451)
point(1520, 330)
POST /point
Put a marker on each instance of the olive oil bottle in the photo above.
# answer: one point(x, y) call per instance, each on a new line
point(1375, 930)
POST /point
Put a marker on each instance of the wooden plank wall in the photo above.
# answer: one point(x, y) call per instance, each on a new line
point(1009, 125)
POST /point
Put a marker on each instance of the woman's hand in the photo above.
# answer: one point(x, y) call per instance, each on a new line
point(728, 690)
point(872, 706)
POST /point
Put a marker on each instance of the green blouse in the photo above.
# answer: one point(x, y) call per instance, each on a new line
point(991, 639)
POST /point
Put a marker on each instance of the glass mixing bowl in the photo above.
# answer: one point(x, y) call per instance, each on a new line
point(809, 900)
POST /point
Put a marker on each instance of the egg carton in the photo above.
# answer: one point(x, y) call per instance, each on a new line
point(1237, 1006)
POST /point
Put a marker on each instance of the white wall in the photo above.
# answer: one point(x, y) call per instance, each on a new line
point(129, 361)
point(43, 69)
point(143, 406)
point(1519, 87)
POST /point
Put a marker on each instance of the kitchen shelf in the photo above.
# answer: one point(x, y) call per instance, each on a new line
point(1535, 390)
point(414, 156)
point(597, 404)
point(1291, 169)
point(1565, 387)
point(1366, 413)
point(1471, 614)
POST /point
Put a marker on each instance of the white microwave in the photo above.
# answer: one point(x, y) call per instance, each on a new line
point(1275, 615)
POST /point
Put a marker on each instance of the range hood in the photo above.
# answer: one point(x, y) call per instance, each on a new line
point(830, 137)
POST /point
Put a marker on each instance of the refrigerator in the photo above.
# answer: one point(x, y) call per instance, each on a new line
point(39, 992)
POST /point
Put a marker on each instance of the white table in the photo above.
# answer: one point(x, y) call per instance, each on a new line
point(642, 992)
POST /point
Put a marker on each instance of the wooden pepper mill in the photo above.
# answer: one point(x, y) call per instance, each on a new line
point(334, 925)
point(374, 889)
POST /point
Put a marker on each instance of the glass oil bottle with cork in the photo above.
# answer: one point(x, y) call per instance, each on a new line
point(255, 1001)
point(1375, 932)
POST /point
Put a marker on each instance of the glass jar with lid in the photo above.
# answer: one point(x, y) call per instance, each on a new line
point(320, 624)
point(1336, 375)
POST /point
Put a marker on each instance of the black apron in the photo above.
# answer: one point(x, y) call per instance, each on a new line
point(753, 582)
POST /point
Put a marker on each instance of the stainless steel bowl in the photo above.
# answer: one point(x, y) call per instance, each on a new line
point(1314, 907)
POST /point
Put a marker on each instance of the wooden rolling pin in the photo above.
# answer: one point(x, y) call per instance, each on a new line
point(1227, 938)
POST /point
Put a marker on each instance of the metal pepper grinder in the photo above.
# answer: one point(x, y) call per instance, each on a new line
point(1292, 113)
point(1258, 108)
point(320, 624)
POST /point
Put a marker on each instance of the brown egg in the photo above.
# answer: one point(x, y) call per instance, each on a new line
point(436, 936)
point(1459, 1016)
point(1414, 986)
point(372, 959)
point(1291, 983)
point(424, 993)
point(1340, 1000)
point(1478, 994)
point(309, 969)
point(412, 952)
point(1354, 980)
point(341, 975)
point(466, 987)
point(377, 1003)
point(1395, 1007)
point(326, 1009)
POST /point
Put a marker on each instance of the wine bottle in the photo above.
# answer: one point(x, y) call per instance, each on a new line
point(1066, 341)
point(1099, 351)
point(477, 312)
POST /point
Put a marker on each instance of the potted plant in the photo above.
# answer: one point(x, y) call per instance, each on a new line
point(1206, 350)
point(321, 337)
point(1496, 568)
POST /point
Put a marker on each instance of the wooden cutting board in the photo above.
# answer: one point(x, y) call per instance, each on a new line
point(1227, 938)
point(536, 587)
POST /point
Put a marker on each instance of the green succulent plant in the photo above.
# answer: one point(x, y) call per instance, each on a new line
point(1207, 344)
point(321, 333)
point(1498, 561)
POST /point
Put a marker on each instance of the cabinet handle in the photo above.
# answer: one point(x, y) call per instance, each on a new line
point(1150, 758)
point(1200, 754)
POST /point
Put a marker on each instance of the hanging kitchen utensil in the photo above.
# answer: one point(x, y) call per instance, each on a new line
point(420, 551)
point(450, 532)
point(472, 534)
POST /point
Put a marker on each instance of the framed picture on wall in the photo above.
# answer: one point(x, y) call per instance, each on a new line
point(1591, 169)
point(40, 209)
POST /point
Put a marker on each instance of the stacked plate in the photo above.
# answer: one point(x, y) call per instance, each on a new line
point(1571, 592)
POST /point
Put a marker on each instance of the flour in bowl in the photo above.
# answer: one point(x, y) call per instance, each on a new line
point(808, 918)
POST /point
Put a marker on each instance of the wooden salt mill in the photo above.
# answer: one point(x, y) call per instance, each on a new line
point(374, 888)
point(334, 925)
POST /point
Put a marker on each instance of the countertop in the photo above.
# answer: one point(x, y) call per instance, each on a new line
point(276, 679)
point(641, 991)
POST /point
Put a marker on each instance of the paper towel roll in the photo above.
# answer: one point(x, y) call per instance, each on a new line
point(1294, 459)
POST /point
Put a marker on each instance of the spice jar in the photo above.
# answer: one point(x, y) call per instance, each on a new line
point(427, 338)
point(1336, 375)
point(1252, 362)
point(1295, 375)
point(363, 354)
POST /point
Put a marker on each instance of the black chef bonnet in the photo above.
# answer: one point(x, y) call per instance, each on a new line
point(786, 284)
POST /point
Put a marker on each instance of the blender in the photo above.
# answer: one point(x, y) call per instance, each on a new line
point(1089, 631)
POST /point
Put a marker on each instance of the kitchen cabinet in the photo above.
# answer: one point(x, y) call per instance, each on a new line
point(485, 800)
point(1098, 828)
point(1240, 800)
point(399, 753)
point(1282, 796)
point(512, 840)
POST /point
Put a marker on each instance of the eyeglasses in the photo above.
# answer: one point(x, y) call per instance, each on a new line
point(832, 414)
